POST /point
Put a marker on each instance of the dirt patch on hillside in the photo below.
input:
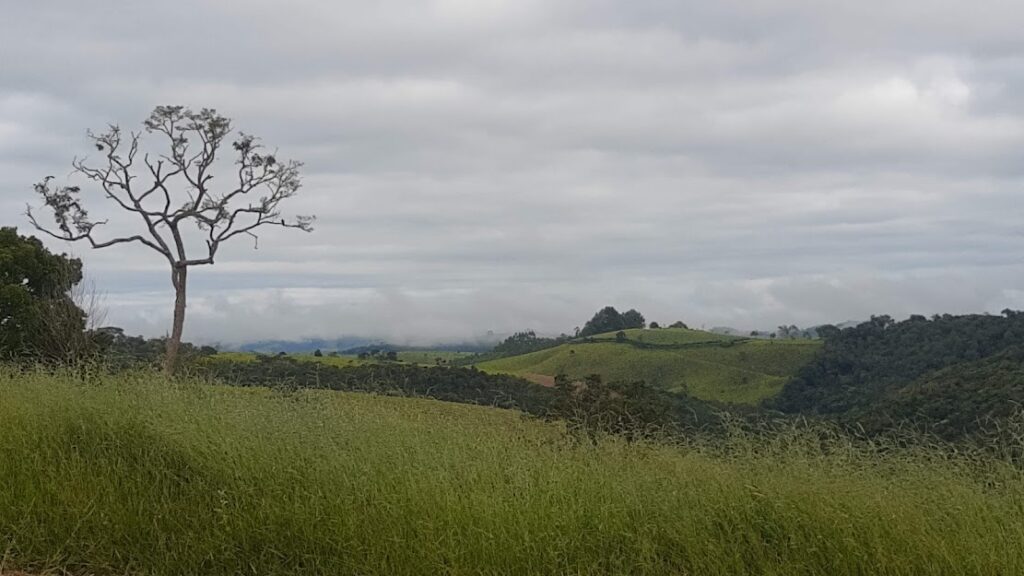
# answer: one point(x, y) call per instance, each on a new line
point(542, 379)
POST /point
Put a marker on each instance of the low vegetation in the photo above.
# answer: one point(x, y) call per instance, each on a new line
point(462, 385)
point(133, 474)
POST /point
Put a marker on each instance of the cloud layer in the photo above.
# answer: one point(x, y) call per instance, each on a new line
point(495, 164)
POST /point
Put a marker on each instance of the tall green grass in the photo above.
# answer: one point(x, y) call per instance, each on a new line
point(134, 474)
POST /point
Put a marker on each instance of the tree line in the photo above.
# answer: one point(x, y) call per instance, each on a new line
point(952, 375)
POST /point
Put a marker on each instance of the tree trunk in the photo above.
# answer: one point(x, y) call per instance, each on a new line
point(179, 277)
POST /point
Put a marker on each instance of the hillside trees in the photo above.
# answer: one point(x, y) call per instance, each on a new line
point(38, 317)
point(952, 371)
point(633, 319)
point(171, 197)
point(608, 319)
point(526, 342)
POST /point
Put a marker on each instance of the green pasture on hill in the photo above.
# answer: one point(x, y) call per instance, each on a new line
point(707, 366)
point(667, 336)
point(134, 474)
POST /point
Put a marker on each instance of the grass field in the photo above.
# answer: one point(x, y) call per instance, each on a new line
point(137, 475)
point(667, 336)
point(747, 371)
point(429, 357)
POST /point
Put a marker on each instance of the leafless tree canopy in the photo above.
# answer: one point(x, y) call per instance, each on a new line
point(173, 190)
point(194, 140)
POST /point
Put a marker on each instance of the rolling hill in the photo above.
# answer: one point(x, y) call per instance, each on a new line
point(708, 366)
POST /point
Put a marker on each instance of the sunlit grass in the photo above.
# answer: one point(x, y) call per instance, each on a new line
point(137, 475)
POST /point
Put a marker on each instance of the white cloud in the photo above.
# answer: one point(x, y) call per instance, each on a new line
point(497, 165)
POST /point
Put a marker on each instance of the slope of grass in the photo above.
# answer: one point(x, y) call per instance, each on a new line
point(135, 475)
point(667, 336)
point(724, 370)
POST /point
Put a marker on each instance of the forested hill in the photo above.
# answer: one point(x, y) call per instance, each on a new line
point(949, 373)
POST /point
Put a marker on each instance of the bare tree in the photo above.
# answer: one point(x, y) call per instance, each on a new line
point(171, 195)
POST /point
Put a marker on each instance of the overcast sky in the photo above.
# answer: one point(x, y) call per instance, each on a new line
point(504, 164)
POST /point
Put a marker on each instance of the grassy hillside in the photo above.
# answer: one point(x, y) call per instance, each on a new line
point(708, 366)
point(133, 475)
point(667, 336)
point(430, 357)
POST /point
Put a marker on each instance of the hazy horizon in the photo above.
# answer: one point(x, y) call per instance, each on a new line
point(498, 165)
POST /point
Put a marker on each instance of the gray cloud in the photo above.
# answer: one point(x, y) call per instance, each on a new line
point(494, 164)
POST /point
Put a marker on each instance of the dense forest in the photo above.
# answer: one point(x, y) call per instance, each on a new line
point(951, 375)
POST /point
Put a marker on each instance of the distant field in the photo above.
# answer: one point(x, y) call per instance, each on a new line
point(137, 475)
point(705, 365)
point(429, 357)
point(668, 336)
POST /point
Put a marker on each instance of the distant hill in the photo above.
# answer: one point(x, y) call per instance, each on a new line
point(350, 345)
point(708, 366)
point(306, 345)
point(729, 331)
point(467, 347)
point(948, 373)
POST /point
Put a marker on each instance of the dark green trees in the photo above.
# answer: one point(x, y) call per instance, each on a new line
point(954, 374)
point(608, 319)
point(38, 318)
point(633, 319)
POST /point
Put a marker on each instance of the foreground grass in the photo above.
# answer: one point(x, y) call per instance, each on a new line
point(135, 475)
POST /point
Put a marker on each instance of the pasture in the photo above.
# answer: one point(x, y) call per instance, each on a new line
point(707, 366)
